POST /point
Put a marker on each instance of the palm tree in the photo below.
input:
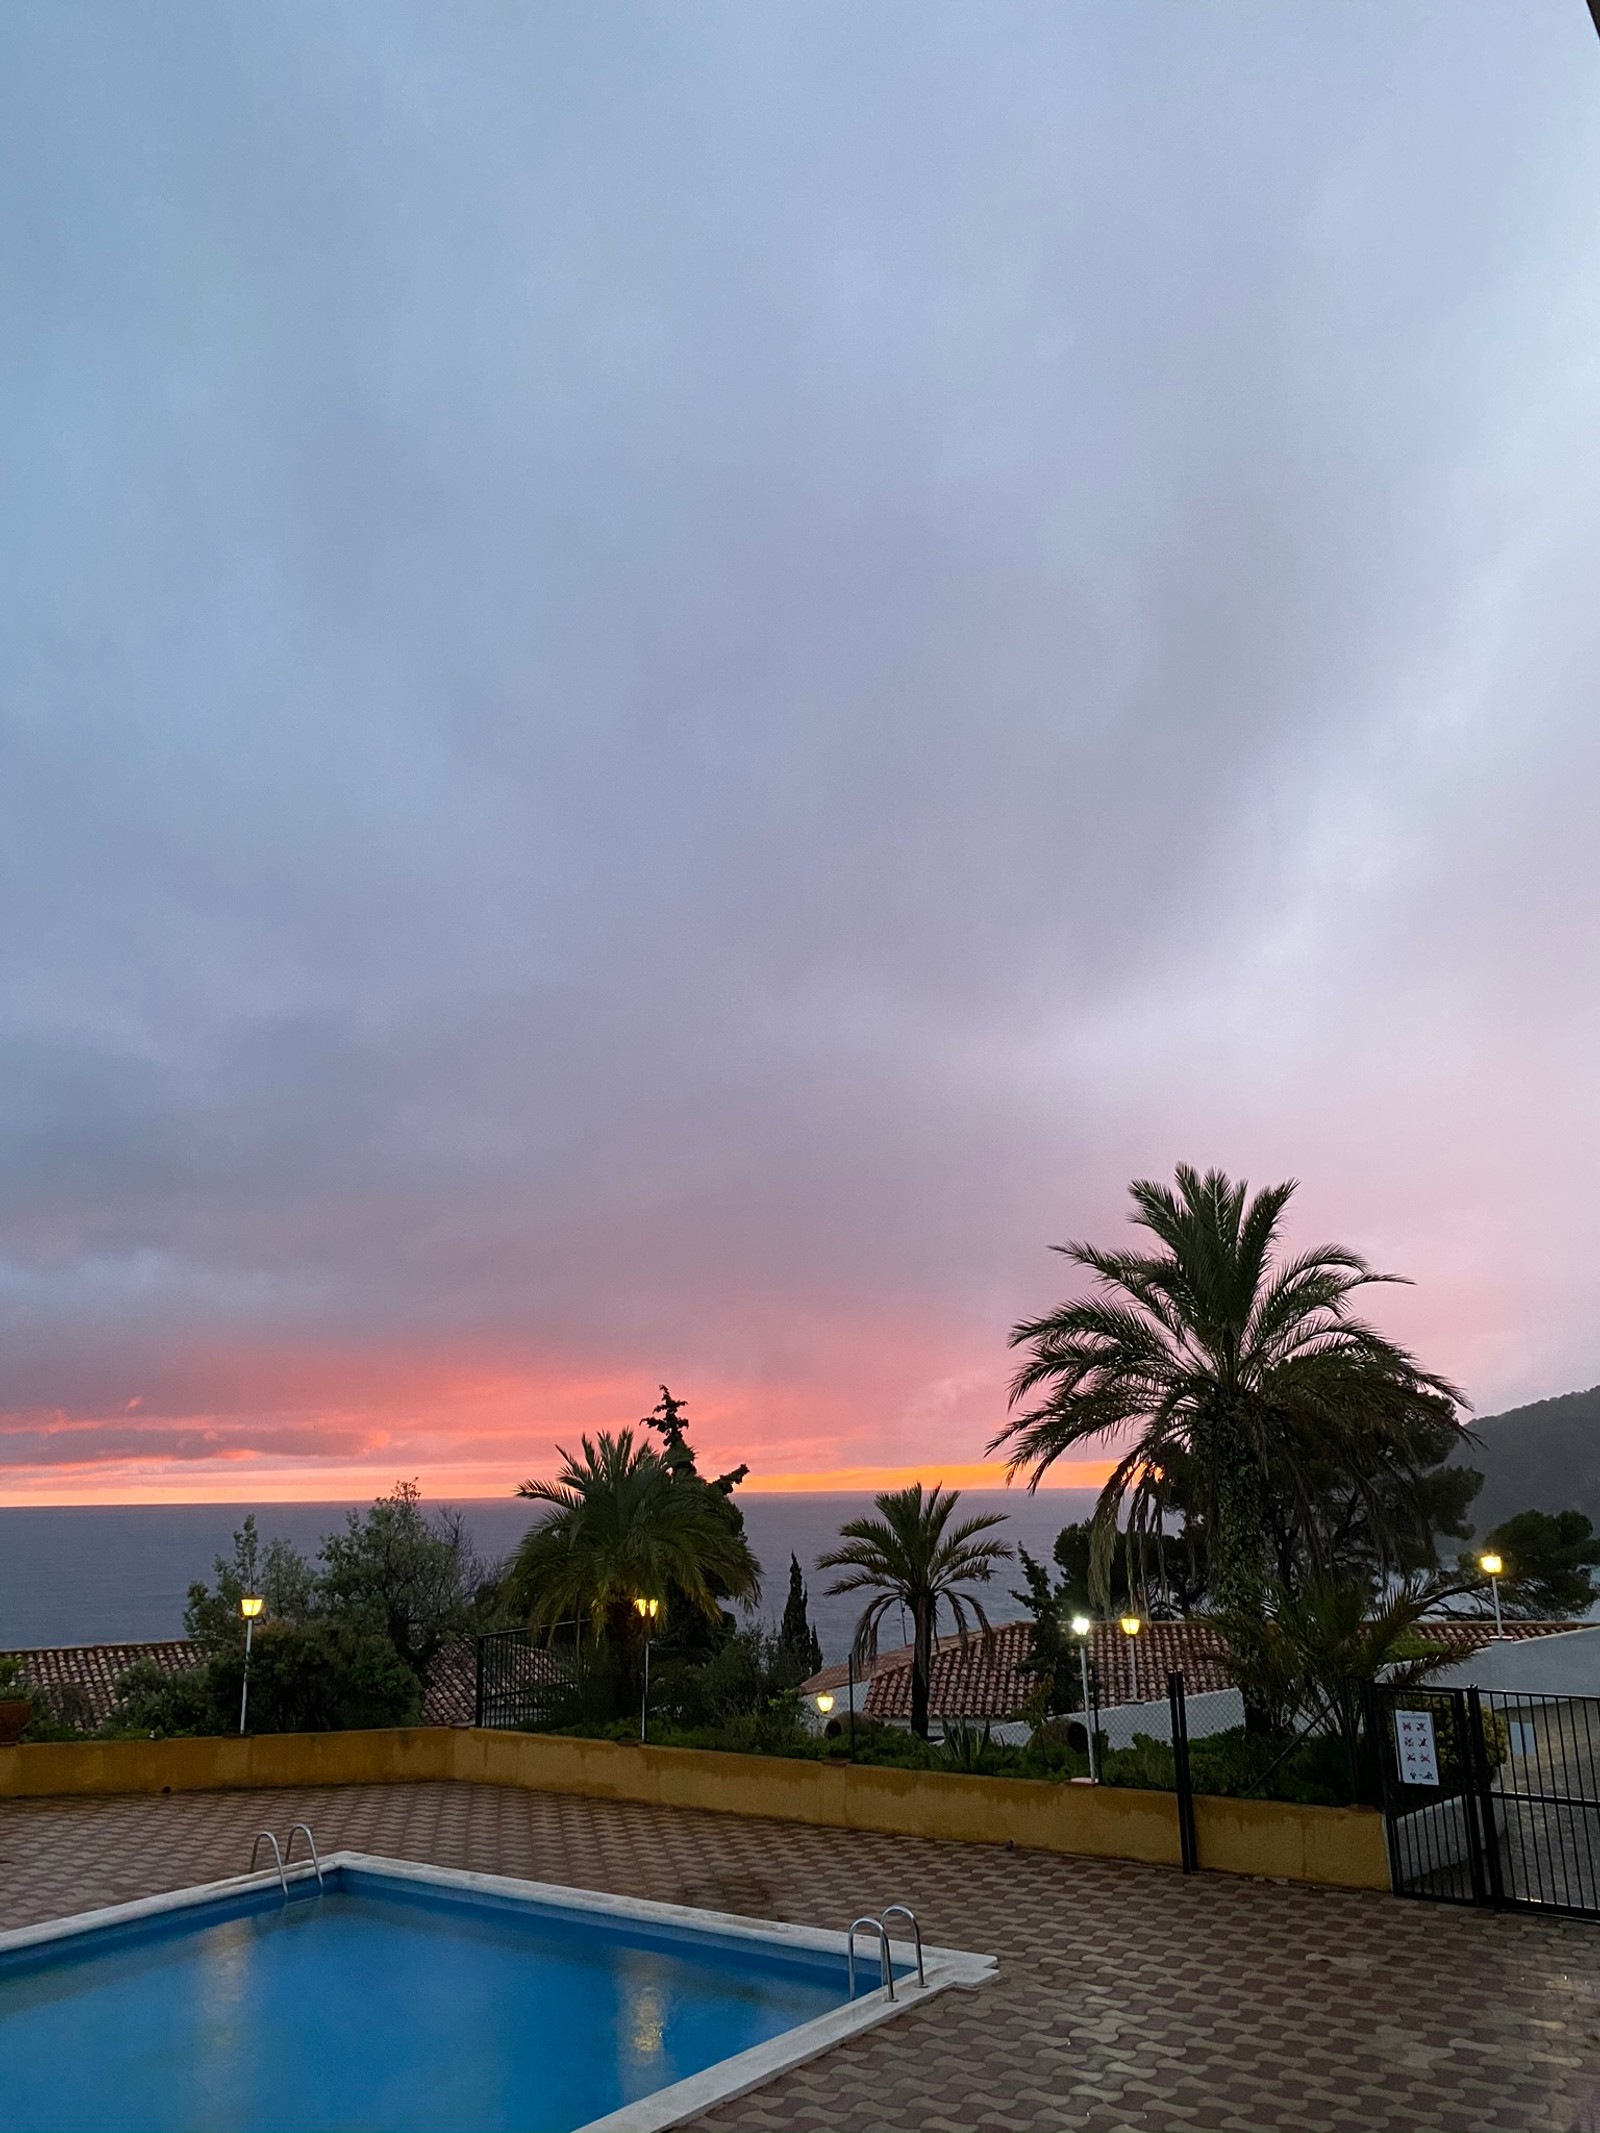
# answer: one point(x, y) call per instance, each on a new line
point(1241, 1369)
point(907, 1558)
point(621, 1528)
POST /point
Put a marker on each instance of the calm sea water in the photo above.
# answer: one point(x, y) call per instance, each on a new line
point(109, 1574)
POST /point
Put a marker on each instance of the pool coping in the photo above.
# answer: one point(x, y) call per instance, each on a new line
point(944, 1968)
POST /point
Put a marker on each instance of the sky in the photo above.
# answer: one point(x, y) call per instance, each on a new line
point(675, 680)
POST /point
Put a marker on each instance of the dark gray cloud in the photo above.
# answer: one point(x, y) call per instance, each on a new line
point(673, 682)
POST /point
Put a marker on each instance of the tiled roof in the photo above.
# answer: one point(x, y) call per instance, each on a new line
point(837, 1676)
point(451, 1699)
point(980, 1681)
point(984, 1678)
point(81, 1679)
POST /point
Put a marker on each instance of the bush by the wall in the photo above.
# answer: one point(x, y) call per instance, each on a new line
point(317, 1677)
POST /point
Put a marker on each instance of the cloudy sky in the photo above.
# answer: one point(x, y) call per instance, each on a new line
point(675, 680)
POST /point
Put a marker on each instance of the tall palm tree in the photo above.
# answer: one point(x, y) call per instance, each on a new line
point(906, 1556)
point(1244, 1369)
point(620, 1528)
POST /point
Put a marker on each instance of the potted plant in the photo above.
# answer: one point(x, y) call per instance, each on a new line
point(16, 1705)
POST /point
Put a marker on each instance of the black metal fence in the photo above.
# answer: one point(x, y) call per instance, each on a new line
point(1492, 1797)
point(523, 1681)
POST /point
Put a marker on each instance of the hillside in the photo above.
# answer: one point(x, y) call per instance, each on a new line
point(1545, 1457)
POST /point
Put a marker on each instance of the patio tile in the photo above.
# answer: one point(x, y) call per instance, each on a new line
point(1128, 1997)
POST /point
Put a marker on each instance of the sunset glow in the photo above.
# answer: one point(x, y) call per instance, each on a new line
point(674, 694)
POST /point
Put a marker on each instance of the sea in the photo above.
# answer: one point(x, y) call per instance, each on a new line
point(118, 1573)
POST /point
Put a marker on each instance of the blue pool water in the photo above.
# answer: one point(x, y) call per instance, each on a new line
point(381, 2005)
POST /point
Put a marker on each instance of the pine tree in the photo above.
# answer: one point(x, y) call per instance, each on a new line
point(795, 1631)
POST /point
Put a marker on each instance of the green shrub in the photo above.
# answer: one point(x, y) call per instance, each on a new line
point(317, 1677)
point(59, 1714)
point(155, 1705)
point(320, 1677)
point(1312, 1772)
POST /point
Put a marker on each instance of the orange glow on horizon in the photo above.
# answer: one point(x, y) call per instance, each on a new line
point(349, 1485)
point(306, 1425)
point(983, 1474)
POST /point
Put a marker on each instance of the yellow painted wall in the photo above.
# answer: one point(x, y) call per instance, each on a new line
point(1341, 1846)
point(392, 1755)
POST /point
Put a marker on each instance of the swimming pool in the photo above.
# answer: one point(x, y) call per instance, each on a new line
point(408, 1998)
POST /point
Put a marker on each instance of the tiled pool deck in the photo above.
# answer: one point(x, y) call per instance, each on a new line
point(1127, 1995)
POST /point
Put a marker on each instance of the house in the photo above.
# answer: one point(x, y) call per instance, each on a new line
point(984, 1680)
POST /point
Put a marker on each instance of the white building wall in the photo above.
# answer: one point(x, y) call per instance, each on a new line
point(1565, 1664)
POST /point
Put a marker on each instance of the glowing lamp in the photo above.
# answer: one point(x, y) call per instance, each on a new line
point(824, 1703)
point(1130, 1625)
point(1490, 1565)
point(1081, 1625)
point(251, 1605)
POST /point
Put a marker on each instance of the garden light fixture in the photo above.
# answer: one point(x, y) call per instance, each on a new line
point(1130, 1625)
point(824, 1703)
point(1081, 1626)
point(250, 1605)
point(1491, 1565)
point(646, 1610)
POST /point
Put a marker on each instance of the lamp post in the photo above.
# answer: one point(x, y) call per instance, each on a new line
point(1491, 1566)
point(250, 1605)
point(647, 1610)
point(1130, 1625)
point(1081, 1626)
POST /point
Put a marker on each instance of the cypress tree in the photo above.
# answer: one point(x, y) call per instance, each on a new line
point(795, 1632)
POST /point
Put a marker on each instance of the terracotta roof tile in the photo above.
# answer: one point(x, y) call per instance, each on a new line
point(984, 1679)
point(837, 1676)
point(451, 1699)
point(81, 1679)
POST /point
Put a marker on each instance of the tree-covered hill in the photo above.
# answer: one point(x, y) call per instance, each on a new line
point(1545, 1456)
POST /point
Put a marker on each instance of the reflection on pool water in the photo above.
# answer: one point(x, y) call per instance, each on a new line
point(384, 2003)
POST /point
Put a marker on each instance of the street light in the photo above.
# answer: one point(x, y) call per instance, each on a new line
point(824, 1703)
point(647, 1610)
point(1130, 1625)
point(1081, 1626)
point(1491, 1566)
point(250, 1605)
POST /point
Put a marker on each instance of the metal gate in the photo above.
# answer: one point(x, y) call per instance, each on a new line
point(521, 1681)
point(1492, 1797)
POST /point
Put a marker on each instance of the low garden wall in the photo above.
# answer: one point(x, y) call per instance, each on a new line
point(1341, 1846)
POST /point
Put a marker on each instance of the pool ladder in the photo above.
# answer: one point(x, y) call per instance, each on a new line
point(284, 1860)
point(880, 1925)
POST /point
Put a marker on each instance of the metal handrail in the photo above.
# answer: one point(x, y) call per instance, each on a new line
point(874, 1925)
point(315, 1861)
point(904, 1910)
point(277, 1856)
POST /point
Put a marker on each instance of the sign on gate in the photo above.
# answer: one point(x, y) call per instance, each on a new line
point(1414, 1744)
point(1491, 1796)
